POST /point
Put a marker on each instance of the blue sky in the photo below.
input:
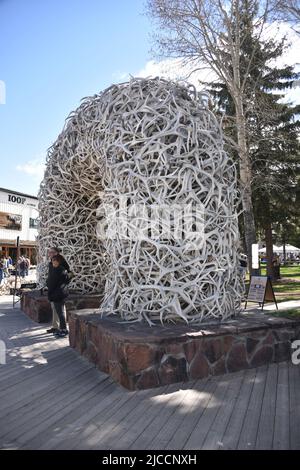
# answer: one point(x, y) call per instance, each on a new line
point(55, 52)
point(52, 54)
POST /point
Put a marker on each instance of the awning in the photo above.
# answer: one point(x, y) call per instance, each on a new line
point(23, 243)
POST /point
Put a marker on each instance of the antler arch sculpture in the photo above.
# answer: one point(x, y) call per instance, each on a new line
point(153, 144)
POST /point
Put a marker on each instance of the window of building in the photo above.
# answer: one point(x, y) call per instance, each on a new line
point(33, 223)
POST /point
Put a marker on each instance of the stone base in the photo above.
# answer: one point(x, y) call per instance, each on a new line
point(38, 307)
point(140, 357)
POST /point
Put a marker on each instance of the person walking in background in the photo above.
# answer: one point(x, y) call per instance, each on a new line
point(54, 251)
point(5, 266)
point(27, 263)
point(57, 282)
point(243, 265)
point(22, 266)
point(1, 270)
point(10, 264)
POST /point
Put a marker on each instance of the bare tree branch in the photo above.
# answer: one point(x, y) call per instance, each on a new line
point(209, 32)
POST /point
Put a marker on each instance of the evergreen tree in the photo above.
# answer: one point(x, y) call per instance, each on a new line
point(272, 127)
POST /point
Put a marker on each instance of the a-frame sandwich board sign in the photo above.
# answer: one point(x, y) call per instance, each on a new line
point(260, 291)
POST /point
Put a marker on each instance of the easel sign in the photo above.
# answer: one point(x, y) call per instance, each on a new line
point(260, 291)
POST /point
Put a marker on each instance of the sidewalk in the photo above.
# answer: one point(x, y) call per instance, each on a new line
point(269, 307)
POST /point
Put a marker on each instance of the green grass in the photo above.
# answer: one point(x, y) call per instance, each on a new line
point(287, 298)
point(290, 287)
point(285, 271)
point(288, 290)
point(283, 288)
point(291, 313)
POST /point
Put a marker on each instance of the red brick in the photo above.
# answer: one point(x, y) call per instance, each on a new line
point(138, 357)
point(269, 339)
point(174, 348)
point(220, 367)
point(117, 373)
point(237, 358)
point(91, 353)
point(227, 343)
point(172, 370)
point(263, 355)
point(251, 344)
point(190, 349)
point(199, 367)
point(212, 349)
point(148, 379)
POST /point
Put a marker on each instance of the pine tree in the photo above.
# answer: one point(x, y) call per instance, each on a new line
point(272, 127)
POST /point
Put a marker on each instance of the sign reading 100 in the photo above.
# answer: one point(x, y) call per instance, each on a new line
point(18, 199)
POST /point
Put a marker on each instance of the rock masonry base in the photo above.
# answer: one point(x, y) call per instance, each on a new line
point(139, 357)
point(38, 308)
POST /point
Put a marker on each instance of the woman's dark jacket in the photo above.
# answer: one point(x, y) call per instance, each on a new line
point(64, 264)
point(57, 281)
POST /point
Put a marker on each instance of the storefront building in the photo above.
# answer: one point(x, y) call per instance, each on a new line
point(18, 218)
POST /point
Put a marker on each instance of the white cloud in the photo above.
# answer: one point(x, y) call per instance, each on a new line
point(290, 57)
point(277, 31)
point(34, 168)
point(174, 69)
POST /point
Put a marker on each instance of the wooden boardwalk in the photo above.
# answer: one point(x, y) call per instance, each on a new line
point(51, 398)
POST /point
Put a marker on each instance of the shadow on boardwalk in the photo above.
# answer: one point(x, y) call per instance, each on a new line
point(51, 398)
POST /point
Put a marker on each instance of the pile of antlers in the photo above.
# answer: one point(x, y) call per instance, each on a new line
point(153, 144)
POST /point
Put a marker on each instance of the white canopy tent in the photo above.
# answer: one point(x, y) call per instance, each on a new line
point(279, 249)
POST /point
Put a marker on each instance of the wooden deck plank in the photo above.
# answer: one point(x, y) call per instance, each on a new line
point(132, 429)
point(29, 402)
point(248, 433)
point(34, 387)
point(233, 429)
point(17, 359)
point(265, 426)
point(281, 437)
point(104, 418)
point(214, 438)
point(81, 424)
point(26, 368)
point(43, 418)
point(54, 399)
point(208, 414)
point(30, 438)
point(198, 399)
point(200, 390)
point(108, 434)
point(294, 411)
point(27, 375)
point(26, 414)
point(31, 350)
